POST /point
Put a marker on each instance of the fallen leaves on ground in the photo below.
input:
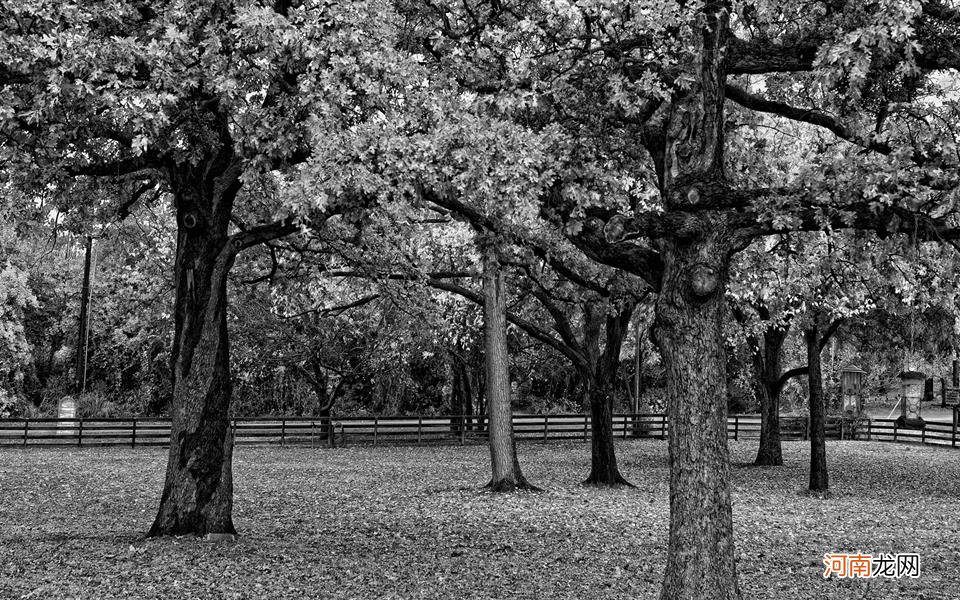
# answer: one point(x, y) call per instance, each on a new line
point(412, 522)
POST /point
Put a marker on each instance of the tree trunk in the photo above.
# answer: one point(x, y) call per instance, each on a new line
point(689, 332)
point(766, 366)
point(503, 450)
point(819, 481)
point(599, 389)
point(198, 490)
point(690, 315)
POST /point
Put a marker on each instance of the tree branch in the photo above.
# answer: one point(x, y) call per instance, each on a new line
point(529, 328)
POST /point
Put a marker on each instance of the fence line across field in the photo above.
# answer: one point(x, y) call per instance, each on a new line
point(461, 429)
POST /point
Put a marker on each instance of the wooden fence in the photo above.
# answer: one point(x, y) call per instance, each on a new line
point(433, 430)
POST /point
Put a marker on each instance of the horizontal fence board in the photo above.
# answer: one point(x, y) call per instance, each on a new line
point(48, 432)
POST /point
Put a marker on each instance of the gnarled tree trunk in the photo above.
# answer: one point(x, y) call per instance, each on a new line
point(507, 475)
point(198, 490)
point(690, 313)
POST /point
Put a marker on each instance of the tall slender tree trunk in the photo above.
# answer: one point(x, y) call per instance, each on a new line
point(507, 475)
point(766, 364)
point(198, 491)
point(819, 481)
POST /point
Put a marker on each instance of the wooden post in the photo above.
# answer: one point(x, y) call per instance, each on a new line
point(923, 435)
point(26, 428)
point(585, 422)
point(953, 435)
point(313, 434)
point(80, 433)
point(894, 431)
point(463, 431)
point(283, 431)
point(736, 427)
point(546, 425)
point(419, 430)
point(375, 425)
point(133, 436)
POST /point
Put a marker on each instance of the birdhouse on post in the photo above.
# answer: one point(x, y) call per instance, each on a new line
point(911, 394)
point(851, 388)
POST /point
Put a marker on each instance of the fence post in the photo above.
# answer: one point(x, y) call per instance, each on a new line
point(343, 435)
point(625, 421)
point(463, 431)
point(26, 428)
point(133, 436)
point(313, 434)
point(953, 436)
point(546, 426)
point(584, 427)
point(375, 424)
point(80, 434)
point(283, 431)
point(923, 435)
point(736, 427)
point(663, 427)
point(894, 431)
point(420, 430)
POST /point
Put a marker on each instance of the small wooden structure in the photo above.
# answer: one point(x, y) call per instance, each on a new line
point(912, 383)
point(851, 388)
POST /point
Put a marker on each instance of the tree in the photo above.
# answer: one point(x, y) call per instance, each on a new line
point(206, 101)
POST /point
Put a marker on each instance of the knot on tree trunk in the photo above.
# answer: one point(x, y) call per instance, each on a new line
point(703, 281)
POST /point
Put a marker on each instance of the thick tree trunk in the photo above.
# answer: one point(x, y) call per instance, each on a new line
point(819, 482)
point(198, 490)
point(507, 475)
point(767, 373)
point(690, 314)
point(689, 331)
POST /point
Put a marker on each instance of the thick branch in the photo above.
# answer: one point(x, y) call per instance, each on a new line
point(814, 117)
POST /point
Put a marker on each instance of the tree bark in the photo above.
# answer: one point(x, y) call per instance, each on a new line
point(507, 475)
point(599, 391)
point(690, 314)
point(198, 491)
point(766, 364)
point(700, 559)
point(819, 481)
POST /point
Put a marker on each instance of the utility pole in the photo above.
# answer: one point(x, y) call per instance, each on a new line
point(83, 329)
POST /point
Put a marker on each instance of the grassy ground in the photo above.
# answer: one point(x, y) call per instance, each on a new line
point(410, 523)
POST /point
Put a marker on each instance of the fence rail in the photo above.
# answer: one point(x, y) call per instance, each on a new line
point(433, 430)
